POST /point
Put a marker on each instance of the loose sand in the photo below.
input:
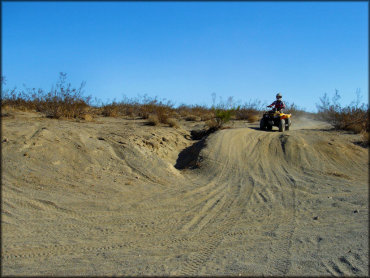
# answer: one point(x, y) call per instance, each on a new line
point(114, 197)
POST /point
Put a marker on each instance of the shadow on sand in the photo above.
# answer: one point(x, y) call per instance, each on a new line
point(189, 157)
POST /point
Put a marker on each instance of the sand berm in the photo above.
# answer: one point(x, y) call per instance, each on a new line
point(118, 197)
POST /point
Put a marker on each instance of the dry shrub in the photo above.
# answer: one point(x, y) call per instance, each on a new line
point(87, 117)
point(95, 111)
point(130, 107)
point(145, 111)
point(172, 123)
point(242, 114)
point(192, 118)
point(195, 112)
point(294, 110)
point(245, 114)
point(61, 101)
point(207, 116)
point(162, 113)
point(110, 110)
point(153, 120)
point(123, 108)
point(348, 118)
point(130, 111)
point(5, 107)
point(353, 117)
point(148, 106)
point(176, 115)
point(19, 100)
point(6, 111)
point(62, 108)
point(356, 127)
point(184, 110)
point(365, 138)
point(253, 118)
point(212, 124)
point(202, 112)
point(249, 111)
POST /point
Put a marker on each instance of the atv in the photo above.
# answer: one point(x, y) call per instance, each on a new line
point(275, 118)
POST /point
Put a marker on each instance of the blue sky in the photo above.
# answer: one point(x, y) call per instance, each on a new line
point(185, 51)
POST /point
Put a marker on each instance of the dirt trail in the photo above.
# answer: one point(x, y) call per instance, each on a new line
point(105, 198)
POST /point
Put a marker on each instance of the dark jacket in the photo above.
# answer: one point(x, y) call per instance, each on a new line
point(279, 104)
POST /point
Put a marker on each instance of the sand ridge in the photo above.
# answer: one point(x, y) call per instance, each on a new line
point(107, 198)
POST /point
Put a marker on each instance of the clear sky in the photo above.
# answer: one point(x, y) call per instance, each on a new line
point(185, 51)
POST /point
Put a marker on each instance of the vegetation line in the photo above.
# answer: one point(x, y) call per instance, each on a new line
point(65, 101)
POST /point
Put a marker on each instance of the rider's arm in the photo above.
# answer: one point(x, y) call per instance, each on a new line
point(272, 104)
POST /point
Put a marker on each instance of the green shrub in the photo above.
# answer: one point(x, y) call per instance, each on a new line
point(222, 116)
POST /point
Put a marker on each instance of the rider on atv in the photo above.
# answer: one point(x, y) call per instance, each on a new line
point(278, 103)
point(276, 117)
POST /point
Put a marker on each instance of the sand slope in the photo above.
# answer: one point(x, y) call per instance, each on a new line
point(105, 198)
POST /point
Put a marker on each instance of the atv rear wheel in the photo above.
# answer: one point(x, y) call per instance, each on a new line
point(282, 125)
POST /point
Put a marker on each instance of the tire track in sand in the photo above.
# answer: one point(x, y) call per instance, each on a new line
point(215, 219)
point(218, 214)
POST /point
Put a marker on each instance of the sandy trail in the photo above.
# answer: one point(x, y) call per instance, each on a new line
point(104, 198)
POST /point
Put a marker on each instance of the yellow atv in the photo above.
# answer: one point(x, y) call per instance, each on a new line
point(275, 118)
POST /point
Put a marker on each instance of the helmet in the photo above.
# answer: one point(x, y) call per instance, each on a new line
point(279, 95)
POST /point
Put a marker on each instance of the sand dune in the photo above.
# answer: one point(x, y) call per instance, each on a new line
point(118, 197)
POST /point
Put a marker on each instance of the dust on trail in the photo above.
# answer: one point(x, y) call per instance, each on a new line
point(105, 199)
point(303, 122)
